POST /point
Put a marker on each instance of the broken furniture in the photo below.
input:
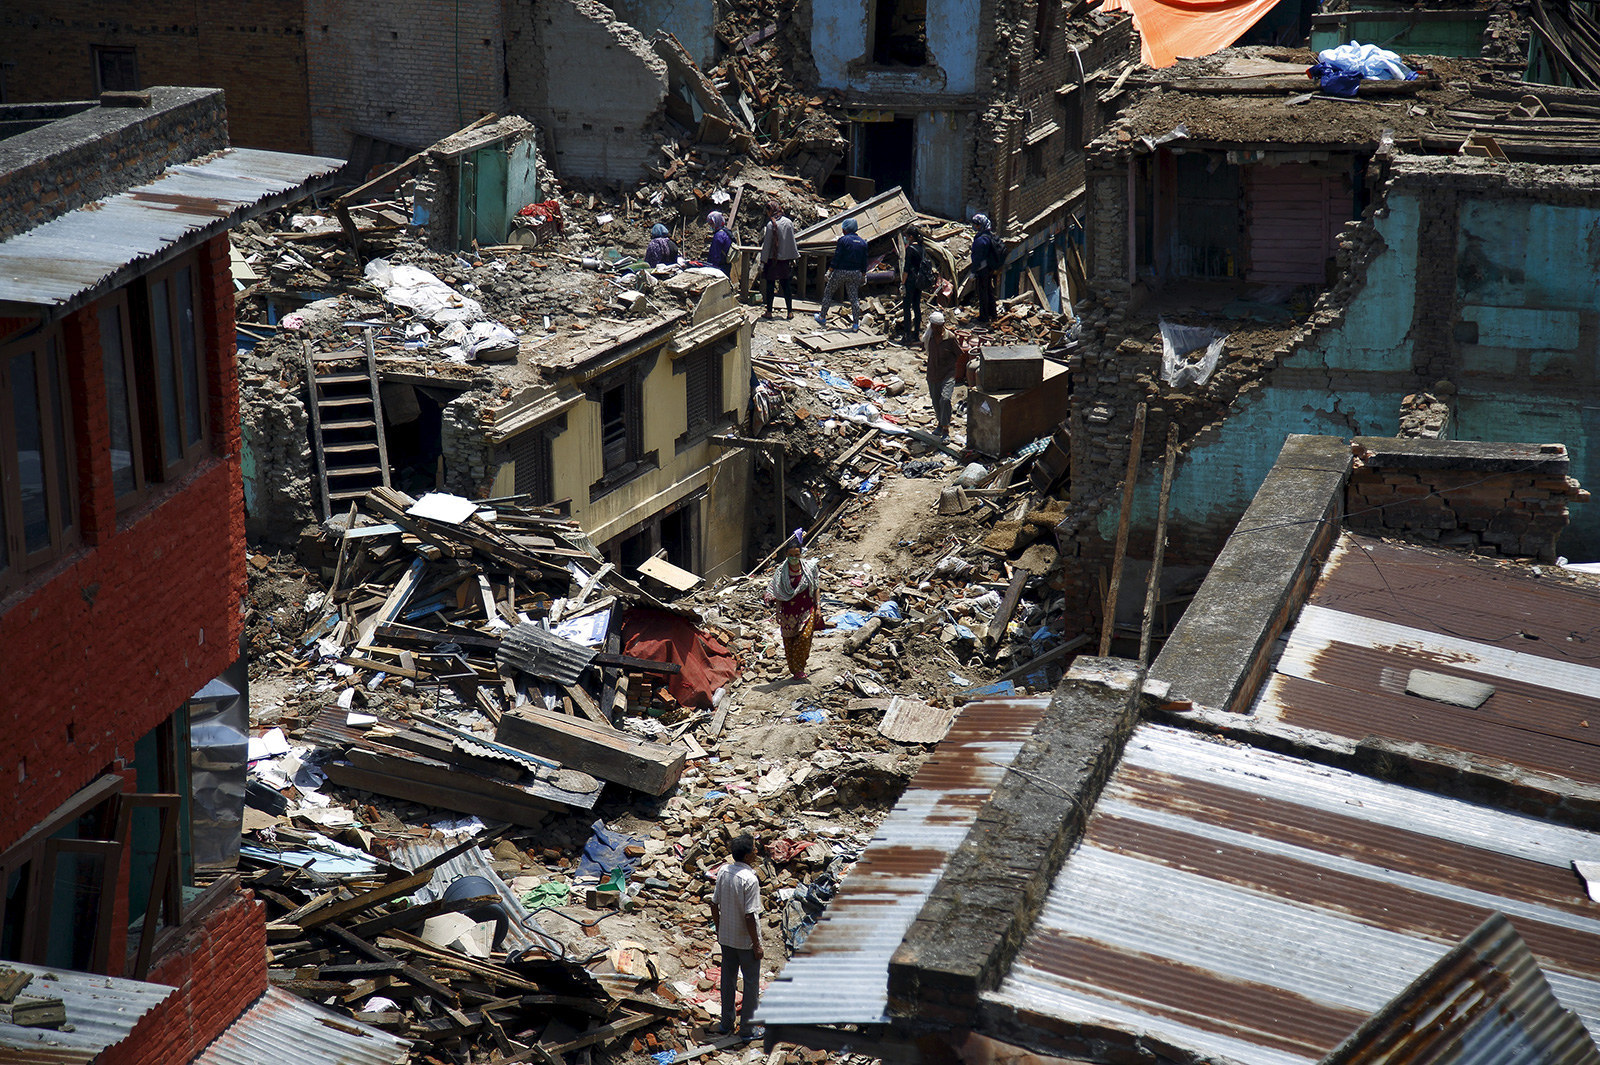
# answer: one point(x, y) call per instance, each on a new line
point(1000, 422)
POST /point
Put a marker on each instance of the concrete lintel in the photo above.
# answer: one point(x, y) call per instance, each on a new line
point(975, 919)
point(1384, 452)
point(1217, 654)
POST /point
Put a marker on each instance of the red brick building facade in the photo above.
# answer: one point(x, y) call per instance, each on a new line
point(122, 554)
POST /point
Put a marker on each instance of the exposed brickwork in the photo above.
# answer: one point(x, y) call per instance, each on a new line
point(254, 50)
point(101, 151)
point(123, 631)
point(219, 968)
point(1497, 499)
point(406, 71)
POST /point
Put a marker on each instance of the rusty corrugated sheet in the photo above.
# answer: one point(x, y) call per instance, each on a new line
point(280, 1027)
point(1246, 905)
point(102, 1010)
point(64, 261)
point(1486, 1002)
point(1381, 610)
point(535, 650)
point(840, 975)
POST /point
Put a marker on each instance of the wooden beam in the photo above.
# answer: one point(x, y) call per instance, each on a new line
point(1008, 606)
point(1135, 445)
point(1152, 593)
point(612, 755)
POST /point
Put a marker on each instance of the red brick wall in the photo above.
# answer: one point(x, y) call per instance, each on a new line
point(252, 49)
point(219, 969)
point(101, 650)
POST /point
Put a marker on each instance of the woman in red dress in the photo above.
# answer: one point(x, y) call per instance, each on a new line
point(794, 591)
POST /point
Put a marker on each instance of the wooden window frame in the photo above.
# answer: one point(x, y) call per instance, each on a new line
point(118, 304)
point(98, 50)
point(161, 461)
point(709, 360)
point(58, 464)
point(636, 462)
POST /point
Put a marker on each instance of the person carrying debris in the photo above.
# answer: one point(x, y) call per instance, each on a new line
point(735, 902)
point(661, 250)
point(985, 264)
point(946, 361)
point(778, 253)
point(916, 274)
point(794, 590)
point(848, 268)
point(721, 241)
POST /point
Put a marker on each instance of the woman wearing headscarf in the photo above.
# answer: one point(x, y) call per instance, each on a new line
point(721, 241)
point(985, 263)
point(794, 591)
point(778, 253)
point(660, 250)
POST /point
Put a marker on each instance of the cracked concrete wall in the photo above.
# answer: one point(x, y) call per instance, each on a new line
point(592, 83)
point(692, 22)
point(405, 71)
point(957, 31)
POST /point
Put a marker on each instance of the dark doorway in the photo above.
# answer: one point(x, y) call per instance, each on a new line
point(886, 152)
point(900, 33)
point(677, 536)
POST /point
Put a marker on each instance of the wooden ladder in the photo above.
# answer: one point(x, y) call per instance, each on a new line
point(346, 426)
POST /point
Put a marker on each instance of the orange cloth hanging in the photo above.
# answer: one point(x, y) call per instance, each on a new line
point(1172, 28)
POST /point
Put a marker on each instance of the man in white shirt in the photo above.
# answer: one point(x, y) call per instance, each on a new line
point(734, 906)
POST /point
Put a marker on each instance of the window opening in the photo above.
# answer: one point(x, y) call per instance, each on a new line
point(900, 33)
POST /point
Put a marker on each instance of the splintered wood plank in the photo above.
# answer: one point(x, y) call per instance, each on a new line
point(907, 720)
point(826, 340)
point(609, 754)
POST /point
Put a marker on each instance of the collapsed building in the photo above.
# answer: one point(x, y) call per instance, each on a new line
point(1413, 264)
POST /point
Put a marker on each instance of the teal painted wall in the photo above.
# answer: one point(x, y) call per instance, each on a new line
point(1528, 281)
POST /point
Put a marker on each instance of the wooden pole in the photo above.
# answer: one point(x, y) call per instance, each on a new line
point(1135, 444)
point(1152, 593)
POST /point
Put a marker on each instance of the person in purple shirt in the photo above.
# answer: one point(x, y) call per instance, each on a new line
point(661, 250)
point(721, 241)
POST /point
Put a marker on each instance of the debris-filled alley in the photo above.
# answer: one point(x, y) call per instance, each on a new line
point(1064, 503)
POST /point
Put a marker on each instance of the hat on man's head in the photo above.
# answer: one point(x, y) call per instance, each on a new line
point(849, 225)
point(936, 318)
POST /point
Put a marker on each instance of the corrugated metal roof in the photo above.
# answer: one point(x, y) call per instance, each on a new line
point(840, 975)
point(64, 260)
point(473, 862)
point(1243, 904)
point(1380, 610)
point(101, 1009)
point(536, 650)
point(1484, 1003)
point(281, 1027)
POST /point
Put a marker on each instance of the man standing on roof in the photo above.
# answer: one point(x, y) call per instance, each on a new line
point(735, 902)
point(912, 275)
point(849, 268)
point(985, 264)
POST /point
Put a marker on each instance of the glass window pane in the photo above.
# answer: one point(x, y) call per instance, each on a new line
point(183, 289)
point(161, 325)
point(117, 399)
point(30, 452)
point(61, 454)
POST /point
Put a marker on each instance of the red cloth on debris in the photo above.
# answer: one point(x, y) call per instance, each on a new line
point(548, 211)
point(783, 850)
point(662, 637)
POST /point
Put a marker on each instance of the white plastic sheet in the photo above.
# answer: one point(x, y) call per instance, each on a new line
point(418, 290)
point(1178, 343)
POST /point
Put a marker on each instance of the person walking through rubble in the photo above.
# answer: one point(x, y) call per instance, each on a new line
point(794, 590)
point(848, 268)
point(946, 366)
point(778, 253)
point(913, 273)
point(661, 250)
point(985, 264)
point(735, 902)
point(721, 241)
